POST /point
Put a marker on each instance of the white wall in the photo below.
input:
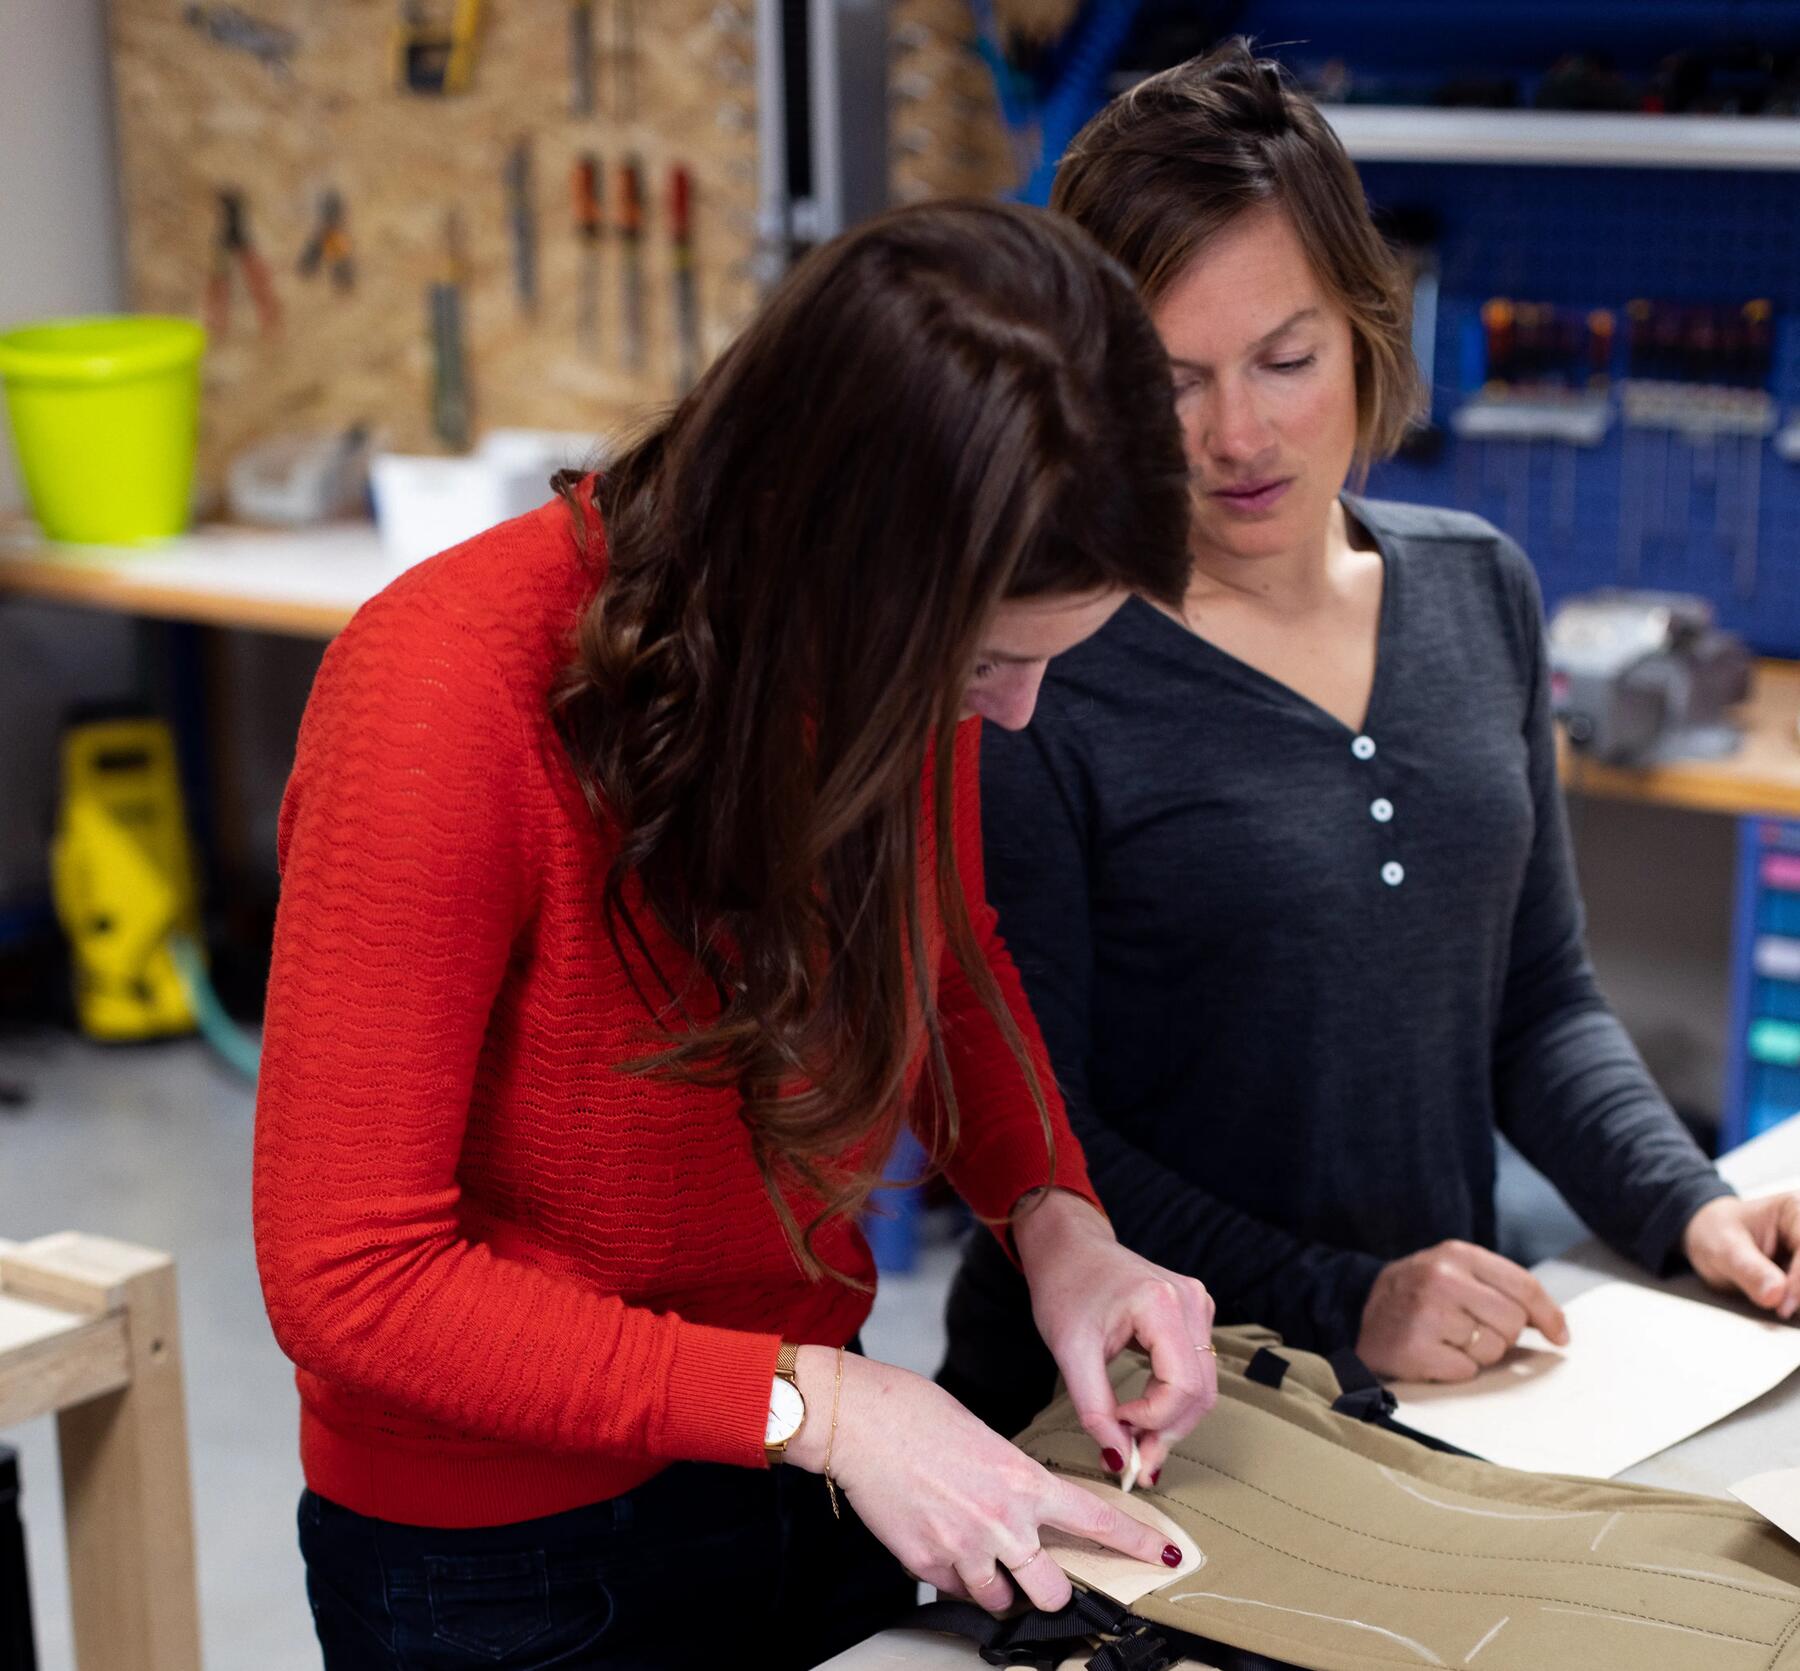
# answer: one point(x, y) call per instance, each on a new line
point(60, 246)
point(60, 253)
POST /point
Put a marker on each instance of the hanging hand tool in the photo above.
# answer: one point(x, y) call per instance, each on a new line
point(624, 60)
point(230, 27)
point(687, 301)
point(584, 192)
point(631, 262)
point(1632, 445)
point(581, 57)
point(449, 380)
point(1759, 329)
point(233, 247)
point(521, 218)
point(430, 55)
point(329, 245)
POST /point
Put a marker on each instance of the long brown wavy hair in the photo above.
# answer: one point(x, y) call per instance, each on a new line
point(949, 406)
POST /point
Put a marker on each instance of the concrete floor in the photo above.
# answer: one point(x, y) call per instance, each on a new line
point(153, 1146)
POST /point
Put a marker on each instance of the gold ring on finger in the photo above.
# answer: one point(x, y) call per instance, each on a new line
point(1207, 1346)
point(1020, 1566)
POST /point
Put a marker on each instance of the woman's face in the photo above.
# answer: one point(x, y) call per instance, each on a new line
point(1018, 644)
point(1265, 386)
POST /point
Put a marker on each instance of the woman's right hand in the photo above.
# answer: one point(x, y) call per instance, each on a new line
point(956, 1504)
point(1448, 1312)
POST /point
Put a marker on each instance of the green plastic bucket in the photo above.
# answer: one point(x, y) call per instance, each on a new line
point(104, 415)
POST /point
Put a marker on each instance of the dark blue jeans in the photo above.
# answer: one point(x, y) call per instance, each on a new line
point(702, 1565)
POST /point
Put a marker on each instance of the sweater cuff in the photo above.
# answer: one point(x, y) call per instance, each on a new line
point(1352, 1280)
point(1002, 1167)
point(718, 1402)
point(1658, 1247)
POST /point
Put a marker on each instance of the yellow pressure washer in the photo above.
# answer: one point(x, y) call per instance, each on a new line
point(122, 875)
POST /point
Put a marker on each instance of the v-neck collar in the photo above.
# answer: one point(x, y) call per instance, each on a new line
point(1242, 672)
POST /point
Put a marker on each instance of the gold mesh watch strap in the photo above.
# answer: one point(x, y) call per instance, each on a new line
point(787, 1363)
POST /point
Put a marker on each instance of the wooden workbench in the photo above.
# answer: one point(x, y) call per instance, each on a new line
point(1762, 778)
point(306, 583)
point(309, 583)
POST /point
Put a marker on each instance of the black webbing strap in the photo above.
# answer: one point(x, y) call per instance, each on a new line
point(1044, 1641)
point(1033, 1638)
point(1267, 1369)
point(1363, 1397)
point(1368, 1400)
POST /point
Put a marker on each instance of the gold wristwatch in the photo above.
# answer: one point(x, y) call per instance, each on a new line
point(787, 1406)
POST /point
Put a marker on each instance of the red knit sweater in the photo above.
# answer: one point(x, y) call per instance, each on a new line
point(515, 1278)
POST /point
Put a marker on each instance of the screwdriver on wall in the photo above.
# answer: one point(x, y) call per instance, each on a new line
point(631, 262)
point(584, 191)
point(687, 302)
point(521, 215)
point(449, 382)
point(624, 60)
point(581, 57)
point(1759, 326)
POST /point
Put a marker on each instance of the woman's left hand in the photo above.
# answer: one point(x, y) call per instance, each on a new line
point(1090, 1297)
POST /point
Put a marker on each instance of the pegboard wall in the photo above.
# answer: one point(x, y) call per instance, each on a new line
point(945, 136)
point(287, 101)
point(1641, 508)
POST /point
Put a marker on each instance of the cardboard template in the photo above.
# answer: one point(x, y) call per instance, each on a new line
point(1643, 1370)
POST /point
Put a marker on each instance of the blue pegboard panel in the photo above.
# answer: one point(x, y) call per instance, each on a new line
point(1586, 238)
point(1507, 36)
point(1761, 1091)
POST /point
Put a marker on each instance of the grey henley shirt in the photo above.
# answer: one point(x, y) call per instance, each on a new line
point(1293, 976)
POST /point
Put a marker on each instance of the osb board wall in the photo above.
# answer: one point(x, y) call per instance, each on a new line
point(945, 136)
point(196, 115)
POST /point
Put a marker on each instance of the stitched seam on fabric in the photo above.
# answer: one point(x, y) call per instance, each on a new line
point(1724, 1511)
point(1416, 1589)
point(1783, 1641)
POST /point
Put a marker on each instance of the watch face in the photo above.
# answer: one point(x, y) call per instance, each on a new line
point(787, 1409)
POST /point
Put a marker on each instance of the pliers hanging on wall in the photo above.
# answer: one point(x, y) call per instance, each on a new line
point(233, 246)
point(329, 245)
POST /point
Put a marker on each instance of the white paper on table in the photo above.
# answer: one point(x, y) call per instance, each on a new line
point(1643, 1370)
point(1118, 1576)
point(1775, 1496)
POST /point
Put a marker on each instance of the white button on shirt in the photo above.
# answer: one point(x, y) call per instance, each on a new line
point(1381, 809)
point(1393, 873)
point(1363, 748)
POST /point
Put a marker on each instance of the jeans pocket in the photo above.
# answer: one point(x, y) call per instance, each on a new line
point(489, 1605)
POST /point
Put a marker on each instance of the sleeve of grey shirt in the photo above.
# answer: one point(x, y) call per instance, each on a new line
point(1037, 831)
point(1570, 1088)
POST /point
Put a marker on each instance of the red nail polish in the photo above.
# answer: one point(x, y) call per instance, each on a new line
point(1156, 1476)
point(1171, 1555)
point(1113, 1460)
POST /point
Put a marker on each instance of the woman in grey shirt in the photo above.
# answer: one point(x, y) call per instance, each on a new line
point(1286, 869)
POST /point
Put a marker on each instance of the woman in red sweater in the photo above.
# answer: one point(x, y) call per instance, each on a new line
point(631, 898)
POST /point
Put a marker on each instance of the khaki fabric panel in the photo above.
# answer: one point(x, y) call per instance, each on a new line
point(1341, 1546)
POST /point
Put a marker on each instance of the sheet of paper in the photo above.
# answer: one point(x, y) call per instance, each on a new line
point(1119, 1576)
point(1775, 1496)
point(1643, 1370)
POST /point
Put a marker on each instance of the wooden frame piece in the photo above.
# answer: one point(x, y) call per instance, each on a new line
point(89, 1332)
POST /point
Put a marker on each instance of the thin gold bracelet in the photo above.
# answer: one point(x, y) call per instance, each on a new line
point(837, 1387)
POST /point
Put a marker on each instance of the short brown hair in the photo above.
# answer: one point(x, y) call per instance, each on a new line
point(1170, 163)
